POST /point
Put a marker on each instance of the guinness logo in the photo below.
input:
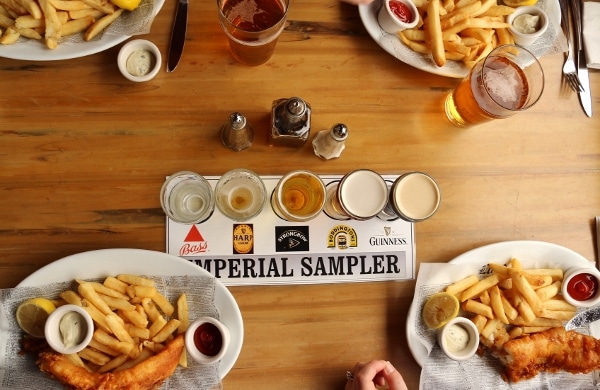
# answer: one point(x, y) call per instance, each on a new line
point(342, 237)
point(243, 239)
point(291, 238)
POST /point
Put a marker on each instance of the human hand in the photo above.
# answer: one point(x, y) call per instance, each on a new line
point(357, 2)
point(366, 376)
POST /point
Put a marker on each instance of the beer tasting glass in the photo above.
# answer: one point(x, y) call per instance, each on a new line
point(414, 197)
point(509, 80)
point(240, 194)
point(360, 195)
point(187, 197)
point(299, 196)
point(252, 27)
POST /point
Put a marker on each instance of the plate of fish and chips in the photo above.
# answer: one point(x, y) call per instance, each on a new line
point(76, 33)
point(469, 31)
point(530, 258)
point(107, 263)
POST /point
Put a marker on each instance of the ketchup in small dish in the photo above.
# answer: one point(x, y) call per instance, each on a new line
point(402, 11)
point(580, 286)
point(208, 339)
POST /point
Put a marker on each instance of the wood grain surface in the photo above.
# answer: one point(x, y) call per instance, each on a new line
point(83, 153)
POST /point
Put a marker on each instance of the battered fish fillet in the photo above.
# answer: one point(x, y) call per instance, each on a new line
point(552, 350)
point(148, 374)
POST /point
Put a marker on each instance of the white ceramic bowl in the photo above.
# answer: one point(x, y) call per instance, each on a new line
point(469, 350)
point(129, 48)
point(214, 325)
point(391, 23)
point(53, 334)
point(570, 274)
point(527, 39)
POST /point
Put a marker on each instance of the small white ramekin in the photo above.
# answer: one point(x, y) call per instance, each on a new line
point(390, 22)
point(132, 46)
point(194, 352)
point(53, 334)
point(471, 346)
point(569, 275)
point(527, 39)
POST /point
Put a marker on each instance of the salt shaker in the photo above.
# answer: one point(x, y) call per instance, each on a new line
point(329, 144)
point(237, 134)
point(290, 122)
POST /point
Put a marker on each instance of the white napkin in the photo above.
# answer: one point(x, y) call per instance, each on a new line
point(591, 33)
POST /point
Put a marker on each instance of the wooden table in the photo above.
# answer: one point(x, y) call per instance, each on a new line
point(83, 154)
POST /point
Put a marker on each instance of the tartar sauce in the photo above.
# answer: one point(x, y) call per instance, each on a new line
point(526, 23)
point(73, 329)
point(457, 338)
point(140, 62)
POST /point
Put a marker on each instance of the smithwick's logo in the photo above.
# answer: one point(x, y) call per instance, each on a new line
point(243, 239)
point(342, 237)
point(194, 243)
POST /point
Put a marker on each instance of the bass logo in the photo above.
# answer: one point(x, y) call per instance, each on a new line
point(291, 238)
point(243, 239)
point(193, 243)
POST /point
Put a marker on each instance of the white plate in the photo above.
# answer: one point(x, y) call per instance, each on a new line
point(106, 262)
point(547, 254)
point(37, 51)
point(392, 44)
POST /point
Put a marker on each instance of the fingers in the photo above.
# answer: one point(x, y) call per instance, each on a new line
point(393, 377)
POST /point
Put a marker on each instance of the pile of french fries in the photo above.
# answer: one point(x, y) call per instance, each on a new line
point(51, 20)
point(512, 302)
point(459, 30)
point(131, 321)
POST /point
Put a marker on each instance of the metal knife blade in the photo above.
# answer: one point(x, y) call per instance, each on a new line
point(585, 96)
point(178, 35)
point(585, 317)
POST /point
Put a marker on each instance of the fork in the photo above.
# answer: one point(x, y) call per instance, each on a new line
point(569, 70)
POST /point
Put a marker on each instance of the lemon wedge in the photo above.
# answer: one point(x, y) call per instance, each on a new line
point(32, 315)
point(439, 309)
point(519, 3)
point(129, 5)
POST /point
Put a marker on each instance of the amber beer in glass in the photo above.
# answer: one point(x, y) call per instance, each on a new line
point(252, 27)
point(299, 196)
point(510, 79)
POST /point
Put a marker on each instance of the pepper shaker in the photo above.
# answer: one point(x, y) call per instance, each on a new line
point(329, 144)
point(237, 134)
point(290, 122)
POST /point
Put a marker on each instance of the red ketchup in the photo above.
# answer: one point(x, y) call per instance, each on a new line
point(402, 11)
point(208, 339)
point(582, 287)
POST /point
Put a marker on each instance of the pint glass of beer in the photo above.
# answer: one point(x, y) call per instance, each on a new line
point(510, 79)
point(252, 27)
point(299, 196)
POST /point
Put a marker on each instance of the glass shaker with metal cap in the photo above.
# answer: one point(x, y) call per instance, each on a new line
point(290, 122)
point(236, 133)
point(329, 144)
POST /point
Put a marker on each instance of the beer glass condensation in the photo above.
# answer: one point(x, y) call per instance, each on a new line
point(509, 80)
point(252, 27)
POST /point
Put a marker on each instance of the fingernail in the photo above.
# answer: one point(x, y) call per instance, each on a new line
point(389, 368)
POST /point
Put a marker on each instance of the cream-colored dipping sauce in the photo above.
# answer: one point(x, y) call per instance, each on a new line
point(526, 23)
point(140, 62)
point(457, 338)
point(73, 329)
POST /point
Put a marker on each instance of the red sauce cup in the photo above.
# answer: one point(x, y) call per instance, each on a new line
point(398, 15)
point(206, 340)
point(581, 286)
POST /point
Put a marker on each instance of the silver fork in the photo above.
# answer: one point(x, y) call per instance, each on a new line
point(569, 70)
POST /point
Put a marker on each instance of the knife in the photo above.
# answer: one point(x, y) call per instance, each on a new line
point(178, 35)
point(585, 96)
point(585, 317)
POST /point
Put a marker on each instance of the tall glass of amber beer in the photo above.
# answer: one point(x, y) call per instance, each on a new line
point(509, 80)
point(252, 27)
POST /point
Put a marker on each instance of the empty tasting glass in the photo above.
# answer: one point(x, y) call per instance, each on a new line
point(360, 195)
point(240, 194)
point(414, 197)
point(509, 80)
point(299, 196)
point(187, 197)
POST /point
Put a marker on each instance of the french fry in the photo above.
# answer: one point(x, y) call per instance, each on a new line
point(497, 305)
point(548, 292)
point(135, 280)
point(115, 284)
point(94, 356)
point(157, 326)
point(113, 363)
point(150, 309)
point(163, 303)
point(480, 286)
point(87, 291)
point(478, 308)
point(522, 284)
point(116, 326)
point(166, 331)
point(558, 304)
point(71, 297)
point(434, 32)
